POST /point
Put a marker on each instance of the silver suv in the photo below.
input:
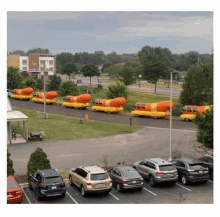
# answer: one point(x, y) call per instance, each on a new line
point(157, 170)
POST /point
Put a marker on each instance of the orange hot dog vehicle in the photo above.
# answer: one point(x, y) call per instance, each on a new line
point(109, 105)
point(155, 110)
point(190, 111)
point(22, 94)
point(81, 101)
point(50, 97)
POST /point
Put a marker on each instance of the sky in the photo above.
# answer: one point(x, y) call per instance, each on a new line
point(121, 32)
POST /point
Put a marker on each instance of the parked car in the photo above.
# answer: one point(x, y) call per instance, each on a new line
point(90, 179)
point(47, 182)
point(191, 170)
point(14, 192)
point(208, 161)
point(126, 178)
point(157, 170)
point(79, 82)
point(9, 93)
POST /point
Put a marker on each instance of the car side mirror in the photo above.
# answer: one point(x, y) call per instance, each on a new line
point(109, 170)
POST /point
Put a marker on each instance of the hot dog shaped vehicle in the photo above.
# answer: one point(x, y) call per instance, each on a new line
point(155, 110)
point(81, 101)
point(23, 94)
point(109, 105)
point(190, 111)
point(50, 97)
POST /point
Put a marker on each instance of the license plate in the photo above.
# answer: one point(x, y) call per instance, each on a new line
point(200, 171)
point(134, 182)
point(9, 195)
point(54, 187)
point(101, 185)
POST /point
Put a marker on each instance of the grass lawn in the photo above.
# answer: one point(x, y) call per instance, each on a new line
point(58, 127)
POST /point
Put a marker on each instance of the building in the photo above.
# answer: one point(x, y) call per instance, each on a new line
point(33, 64)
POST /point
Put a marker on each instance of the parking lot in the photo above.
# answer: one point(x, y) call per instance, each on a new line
point(198, 193)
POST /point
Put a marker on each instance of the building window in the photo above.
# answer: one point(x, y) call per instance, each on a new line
point(34, 62)
point(51, 69)
point(50, 62)
point(24, 68)
point(24, 62)
point(42, 62)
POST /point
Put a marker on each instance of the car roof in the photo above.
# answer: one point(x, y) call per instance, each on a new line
point(93, 169)
point(49, 172)
point(189, 160)
point(159, 161)
point(10, 178)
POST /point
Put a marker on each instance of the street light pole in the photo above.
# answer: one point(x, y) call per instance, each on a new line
point(45, 114)
point(140, 76)
point(171, 81)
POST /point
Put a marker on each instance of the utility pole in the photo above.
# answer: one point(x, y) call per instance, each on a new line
point(171, 79)
point(44, 66)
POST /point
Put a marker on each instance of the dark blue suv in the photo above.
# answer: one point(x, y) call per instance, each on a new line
point(47, 182)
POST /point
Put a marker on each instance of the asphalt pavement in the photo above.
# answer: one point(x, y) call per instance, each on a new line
point(198, 193)
point(101, 116)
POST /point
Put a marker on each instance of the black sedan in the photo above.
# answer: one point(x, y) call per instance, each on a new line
point(208, 161)
point(191, 170)
point(126, 178)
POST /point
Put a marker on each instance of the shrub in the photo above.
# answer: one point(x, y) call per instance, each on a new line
point(10, 169)
point(54, 83)
point(31, 82)
point(117, 90)
point(176, 154)
point(38, 160)
point(68, 88)
point(177, 110)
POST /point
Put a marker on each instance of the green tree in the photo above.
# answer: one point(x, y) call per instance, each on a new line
point(118, 89)
point(31, 82)
point(155, 63)
point(14, 79)
point(39, 50)
point(40, 84)
point(54, 83)
point(205, 128)
point(38, 160)
point(68, 88)
point(127, 75)
point(69, 66)
point(105, 66)
point(198, 85)
point(90, 70)
point(10, 169)
point(114, 72)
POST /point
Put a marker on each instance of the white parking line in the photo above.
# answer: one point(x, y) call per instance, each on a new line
point(26, 195)
point(71, 197)
point(150, 191)
point(183, 187)
point(114, 196)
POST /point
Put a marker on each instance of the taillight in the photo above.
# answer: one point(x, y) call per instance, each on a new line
point(18, 192)
point(125, 180)
point(175, 171)
point(160, 173)
point(110, 181)
point(89, 184)
point(43, 184)
point(141, 179)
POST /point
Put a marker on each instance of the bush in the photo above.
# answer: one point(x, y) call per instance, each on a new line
point(10, 170)
point(177, 110)
point(40, 84)
point(38, 160)
point(54, 83)
point(31, 82)
point(117, 90)
point(14, 79)
point(68, 88)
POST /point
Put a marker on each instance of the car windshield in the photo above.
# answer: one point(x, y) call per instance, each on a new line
point(52, 180)
point(196, 166)
point(11, 184)
point(100, 176)
point(130, 172)
point(167, 167)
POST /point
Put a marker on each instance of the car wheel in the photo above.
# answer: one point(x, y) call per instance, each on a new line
point(152, 181)
point(70, 181)
point(211, 176)
point(184, 180)
point(118, 187)
point(83, 192)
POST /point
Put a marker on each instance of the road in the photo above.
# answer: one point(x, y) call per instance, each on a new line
point(101, 116)
point(177, 194)
point(94, 82)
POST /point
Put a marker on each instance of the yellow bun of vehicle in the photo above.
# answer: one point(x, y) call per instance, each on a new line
point(109, 105)
point(50, 97)
point(80, 101)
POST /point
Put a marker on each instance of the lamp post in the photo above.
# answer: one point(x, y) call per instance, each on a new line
point(43, 67)
point(171, 82)
point(140, 76)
